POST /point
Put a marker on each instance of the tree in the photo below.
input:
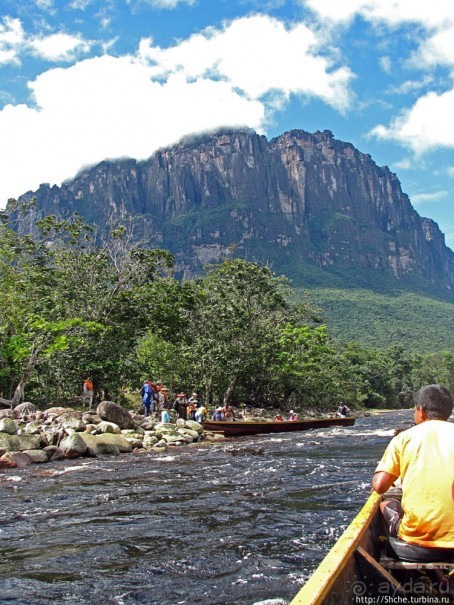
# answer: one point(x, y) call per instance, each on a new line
point(314, 370)
point(89, 301)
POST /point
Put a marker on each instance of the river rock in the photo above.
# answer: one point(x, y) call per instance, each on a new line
point(137, 444)
point(73, 446)
point(149, 440)
point(72, 420)
point(7, 425)
point(24, 409)
point(121, 442)
point(19, 459)
point(176, 439)
point(54, 452)
point(91, 441)
point(210, 436)
point(31, 428)
point(30, 442)
point(194, 426)
point(108, 427)
point(37, 456)
point(107, 449)
point(53, 435)
point(185, 436)
point(55, 411)
point(159, 449)
point(166, 428)
point(133, 434)
point(112, 412)
point(6, 462)
point(6, 414)
point(8, 442)
point(186, 431)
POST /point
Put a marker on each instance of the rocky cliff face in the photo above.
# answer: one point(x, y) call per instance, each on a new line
point(309, 205)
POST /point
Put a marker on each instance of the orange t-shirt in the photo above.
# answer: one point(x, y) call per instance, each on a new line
point(423, 457)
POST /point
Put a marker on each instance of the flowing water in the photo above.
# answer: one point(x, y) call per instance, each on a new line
point(236, 523)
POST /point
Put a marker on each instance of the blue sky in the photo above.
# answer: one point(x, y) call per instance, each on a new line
point(84, 80)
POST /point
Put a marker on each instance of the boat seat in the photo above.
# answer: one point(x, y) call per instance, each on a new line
point(418, 554)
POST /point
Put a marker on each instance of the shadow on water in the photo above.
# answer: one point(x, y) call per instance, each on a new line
point(230, 524)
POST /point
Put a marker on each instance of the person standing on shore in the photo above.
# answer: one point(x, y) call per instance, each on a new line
point(147, 397)
point(88, 392)
point(180, 405)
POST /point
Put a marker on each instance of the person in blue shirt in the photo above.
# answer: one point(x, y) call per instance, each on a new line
point(147, 397)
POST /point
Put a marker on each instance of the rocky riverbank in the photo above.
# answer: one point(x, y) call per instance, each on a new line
point(28, 435)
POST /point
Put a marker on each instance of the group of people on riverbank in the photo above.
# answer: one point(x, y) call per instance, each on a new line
point(156, 399)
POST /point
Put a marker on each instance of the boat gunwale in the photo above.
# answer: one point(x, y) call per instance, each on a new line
point(318, 586)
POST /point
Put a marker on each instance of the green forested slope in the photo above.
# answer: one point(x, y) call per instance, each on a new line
point(418, 323)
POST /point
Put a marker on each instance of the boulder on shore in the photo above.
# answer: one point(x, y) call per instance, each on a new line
point(14, 459)
point(24, 409)
point(7, 425)
point(73, 446)
point(112, 412)
point(9, 443)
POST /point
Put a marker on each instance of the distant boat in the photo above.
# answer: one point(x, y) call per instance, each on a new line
point(243, 428)
point(361, 568)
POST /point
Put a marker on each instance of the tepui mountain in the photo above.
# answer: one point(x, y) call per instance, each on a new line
point(308, 205)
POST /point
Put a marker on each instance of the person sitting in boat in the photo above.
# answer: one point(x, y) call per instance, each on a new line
point(278, 418)
point(218, 414)
point(343, 411)
point(423, 458)
point(229, 414)
point(293, 416)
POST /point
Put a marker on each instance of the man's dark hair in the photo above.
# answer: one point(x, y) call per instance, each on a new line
point(435, 400)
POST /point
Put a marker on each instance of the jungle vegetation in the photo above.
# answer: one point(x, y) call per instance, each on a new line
point(74, 305)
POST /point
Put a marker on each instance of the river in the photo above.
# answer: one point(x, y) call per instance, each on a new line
point(237, 523)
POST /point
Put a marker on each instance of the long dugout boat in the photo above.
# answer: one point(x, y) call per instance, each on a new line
point(244, 428)
point(362, 567)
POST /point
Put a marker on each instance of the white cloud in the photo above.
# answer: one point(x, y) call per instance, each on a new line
point(438, 49)
point(110, 107)
point(257, 55)
point(107, 107)
point(412, 86)
point(11, 39)
point(44, 4)
point(58, 47)
point(55, 47)
point(404, 164)
point(163, 4)
point(434, 23)
point(391, 12)
point(386, 64)
point(80, 4)
point(424, 127)
point(421, 198)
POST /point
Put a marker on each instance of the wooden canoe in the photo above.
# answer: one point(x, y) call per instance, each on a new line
point(360, 567)
point(244, 428)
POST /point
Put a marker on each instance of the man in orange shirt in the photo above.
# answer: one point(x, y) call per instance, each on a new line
point(88, 392)
point(423, 458)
